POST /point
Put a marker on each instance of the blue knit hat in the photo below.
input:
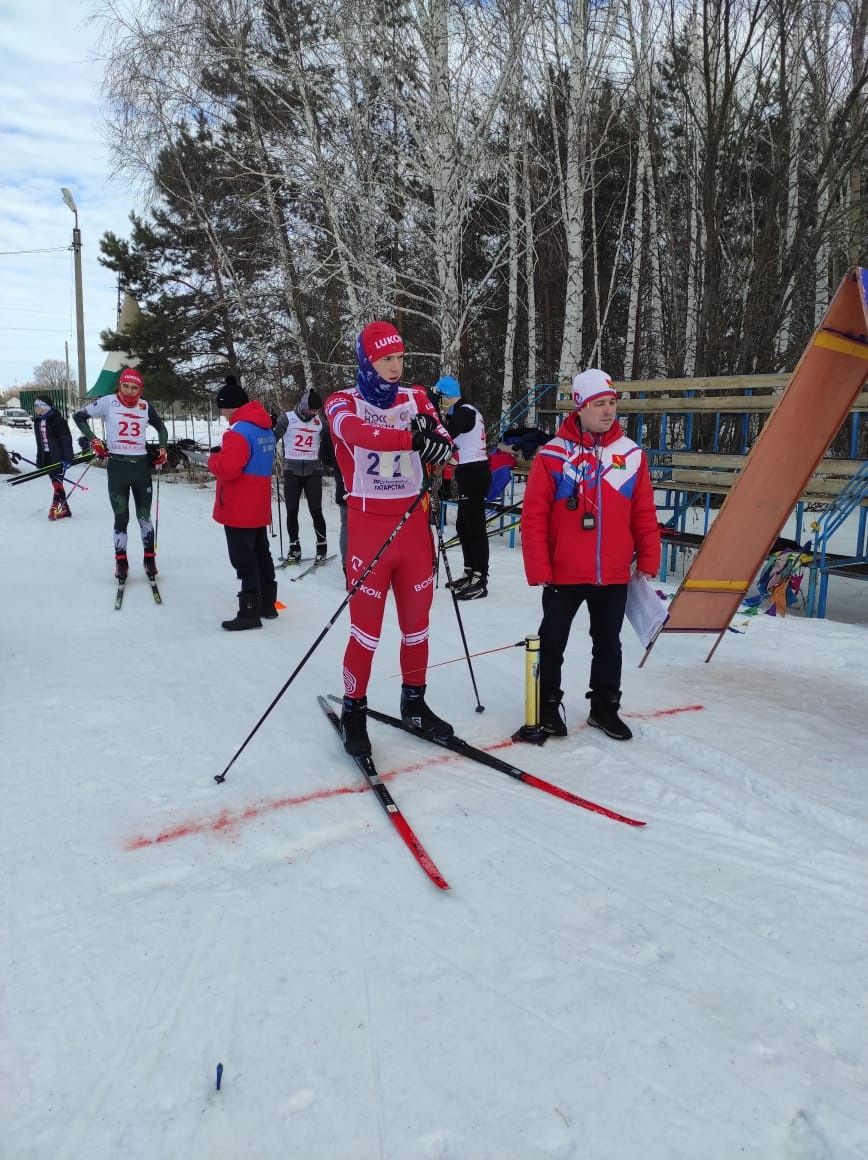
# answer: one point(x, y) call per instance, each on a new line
point(448, 386)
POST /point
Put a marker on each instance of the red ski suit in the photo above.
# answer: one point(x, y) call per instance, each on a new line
point(607, 477)
point(382, 476)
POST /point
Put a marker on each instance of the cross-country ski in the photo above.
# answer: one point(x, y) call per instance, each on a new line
point(481, 757)
point(369, 770)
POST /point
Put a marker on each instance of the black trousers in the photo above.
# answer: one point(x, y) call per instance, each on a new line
point(250, 556)
point(294, 486)
point(561, 602)
point(473, 482)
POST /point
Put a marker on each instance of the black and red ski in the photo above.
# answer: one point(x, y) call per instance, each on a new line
point(465, 749)
point(366, 765)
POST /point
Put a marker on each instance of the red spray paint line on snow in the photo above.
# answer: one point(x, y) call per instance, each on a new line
point(228, 820)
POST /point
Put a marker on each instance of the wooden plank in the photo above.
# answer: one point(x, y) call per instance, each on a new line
point(720, 483)
point(740, 383)
point(830, 466)
point(825, 385)
point(725, 404)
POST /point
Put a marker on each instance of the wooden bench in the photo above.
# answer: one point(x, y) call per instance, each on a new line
point(698, 471)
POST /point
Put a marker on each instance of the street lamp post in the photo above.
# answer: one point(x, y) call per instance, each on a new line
point(79, 301)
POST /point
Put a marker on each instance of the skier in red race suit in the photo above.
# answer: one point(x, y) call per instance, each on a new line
point(383, 434)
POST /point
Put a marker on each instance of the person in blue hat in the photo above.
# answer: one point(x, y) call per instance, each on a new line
point(472, 482)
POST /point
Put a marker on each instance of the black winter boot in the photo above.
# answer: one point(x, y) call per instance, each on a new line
point(475, 589)
point(248, 613)
point(354, 726)
point(293, 556)
point(416, 713)
point(321, 551)
point(269, 597)
point(460, 581)
point(150, 562)
point(604, 714)
point(551, 714)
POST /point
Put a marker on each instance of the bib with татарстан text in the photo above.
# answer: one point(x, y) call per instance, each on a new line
point(386, 474)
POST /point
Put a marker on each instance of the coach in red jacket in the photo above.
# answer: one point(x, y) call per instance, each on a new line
point(588, 511)
point(243, 466)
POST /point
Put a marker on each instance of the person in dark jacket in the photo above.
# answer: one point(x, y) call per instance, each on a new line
point(300, 431)
point(472, 481)
point(243, 467)
point(53, 445)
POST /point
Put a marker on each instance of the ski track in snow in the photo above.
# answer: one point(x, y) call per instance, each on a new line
point(691, 989)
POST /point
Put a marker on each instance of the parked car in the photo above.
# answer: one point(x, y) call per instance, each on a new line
point(15, 417)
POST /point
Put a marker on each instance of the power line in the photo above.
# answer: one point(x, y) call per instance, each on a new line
point(47, 250)
point(35, 329)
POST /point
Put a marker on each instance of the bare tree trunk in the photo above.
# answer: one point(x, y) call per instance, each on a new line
point(858, 241)
point(575, 182)
point(529, 265)
point(791, 68)
point(636, 259)
point(508, 396)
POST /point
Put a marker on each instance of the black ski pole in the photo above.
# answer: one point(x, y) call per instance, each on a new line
point(221, 777)
point(157, 513)
point(480, 708)
point(17, 458)
point(279, 516)
point(48, 469)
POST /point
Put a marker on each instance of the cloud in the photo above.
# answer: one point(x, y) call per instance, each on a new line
point(50, 136)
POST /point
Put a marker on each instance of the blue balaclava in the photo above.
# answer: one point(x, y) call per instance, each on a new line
point(377, 340)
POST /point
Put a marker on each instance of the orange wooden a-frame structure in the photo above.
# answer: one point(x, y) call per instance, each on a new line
point(816, 401)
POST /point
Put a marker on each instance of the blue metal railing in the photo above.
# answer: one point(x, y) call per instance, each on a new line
point(850, 497)
point(519, 410)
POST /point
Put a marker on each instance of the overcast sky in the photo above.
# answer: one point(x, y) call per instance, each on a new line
point(50, 136)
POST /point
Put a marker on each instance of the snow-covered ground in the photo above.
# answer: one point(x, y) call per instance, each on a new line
point(693, 989)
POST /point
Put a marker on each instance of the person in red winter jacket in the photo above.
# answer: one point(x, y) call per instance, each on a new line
point(588, 511)
point(243, 466)
point(384, 434)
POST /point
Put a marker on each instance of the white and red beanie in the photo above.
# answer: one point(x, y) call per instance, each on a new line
point(591, 384)
point(379, 340)
point(130, 377)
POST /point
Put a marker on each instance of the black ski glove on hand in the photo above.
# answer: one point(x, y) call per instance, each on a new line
point(432, 447)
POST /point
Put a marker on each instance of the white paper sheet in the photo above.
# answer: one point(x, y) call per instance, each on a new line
point(645, 610)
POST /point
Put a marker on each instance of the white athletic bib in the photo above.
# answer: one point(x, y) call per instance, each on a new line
point(386, 474)
point(471, 444)
point(125, 427)
point(302, 437)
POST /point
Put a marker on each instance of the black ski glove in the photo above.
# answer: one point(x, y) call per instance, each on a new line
point(432, 447)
